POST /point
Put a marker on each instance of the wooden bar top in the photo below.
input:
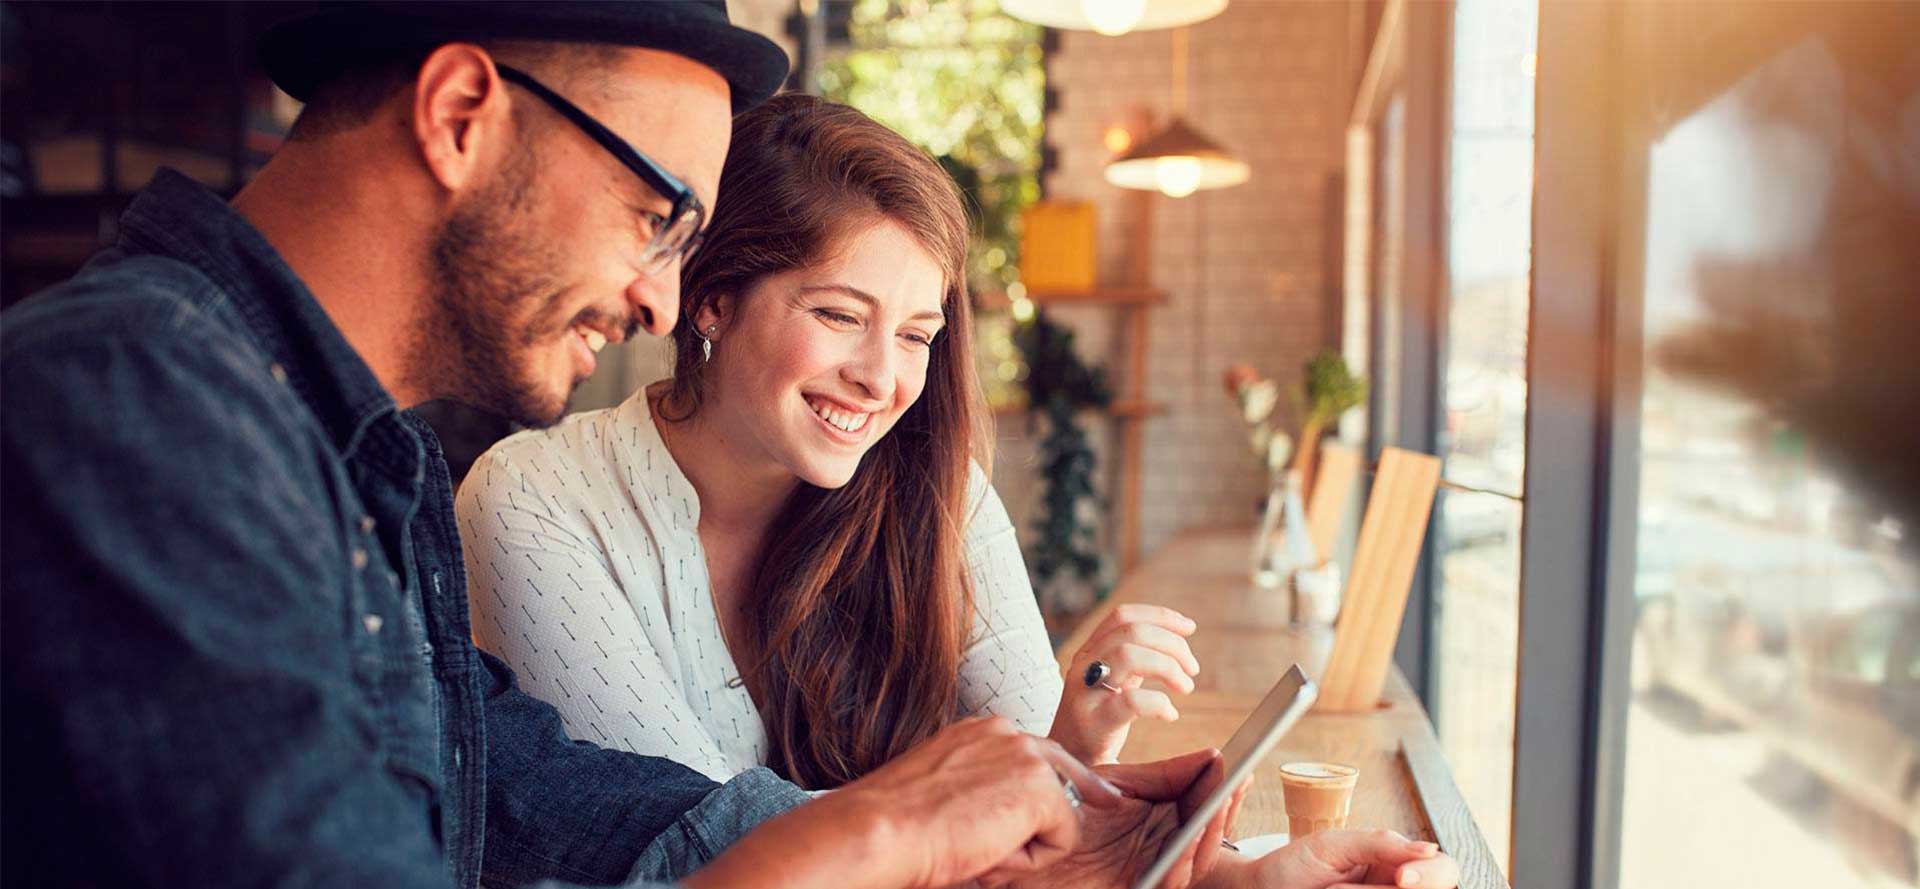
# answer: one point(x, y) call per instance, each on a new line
point(1244, 645)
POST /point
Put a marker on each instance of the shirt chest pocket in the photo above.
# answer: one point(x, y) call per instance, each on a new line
point(392, 665)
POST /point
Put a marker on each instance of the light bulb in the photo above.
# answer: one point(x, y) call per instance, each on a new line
point(1113, 17)
point(1177, 176)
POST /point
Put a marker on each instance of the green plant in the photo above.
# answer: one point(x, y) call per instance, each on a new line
point(1060, 387)
point(1328, 390)
point(966, 82)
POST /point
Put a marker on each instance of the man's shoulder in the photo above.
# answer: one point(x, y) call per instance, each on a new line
point(115, 293)
point(128, 308)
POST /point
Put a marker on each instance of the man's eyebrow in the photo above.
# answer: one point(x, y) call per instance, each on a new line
point(868, 298)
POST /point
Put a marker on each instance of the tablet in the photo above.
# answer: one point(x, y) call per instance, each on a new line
point(1277, 713)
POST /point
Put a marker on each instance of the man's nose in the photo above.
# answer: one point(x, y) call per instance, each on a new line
point(655, 300)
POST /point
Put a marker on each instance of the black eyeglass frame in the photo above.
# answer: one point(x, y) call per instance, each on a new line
point(663, 183)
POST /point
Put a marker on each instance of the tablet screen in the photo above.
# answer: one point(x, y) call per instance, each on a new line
point(1278, 711)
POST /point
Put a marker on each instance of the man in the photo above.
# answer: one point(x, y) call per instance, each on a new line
point(236, 645)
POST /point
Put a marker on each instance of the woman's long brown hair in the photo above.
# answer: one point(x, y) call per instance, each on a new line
point(863, 607)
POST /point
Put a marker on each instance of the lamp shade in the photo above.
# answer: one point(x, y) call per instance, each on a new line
point(1177, 160)
point(1113, 17)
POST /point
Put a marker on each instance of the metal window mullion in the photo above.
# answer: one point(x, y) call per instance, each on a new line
point(1568, 529)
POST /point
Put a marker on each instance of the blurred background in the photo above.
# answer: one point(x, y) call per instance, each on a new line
point(1642, 274)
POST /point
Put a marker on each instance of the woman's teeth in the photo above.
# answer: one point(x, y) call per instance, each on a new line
point(845, 421)
point(594, 339)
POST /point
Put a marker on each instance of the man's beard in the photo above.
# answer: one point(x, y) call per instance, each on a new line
point(489, 269)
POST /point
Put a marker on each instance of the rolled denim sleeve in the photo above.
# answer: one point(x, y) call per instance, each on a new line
point(559, 809)
point(180, 704)
point(727, 814)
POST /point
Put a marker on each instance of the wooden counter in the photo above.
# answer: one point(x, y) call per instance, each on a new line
point(1244, 645)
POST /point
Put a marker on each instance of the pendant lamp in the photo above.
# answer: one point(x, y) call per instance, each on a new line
point(1177, 159)
point(1113, 17)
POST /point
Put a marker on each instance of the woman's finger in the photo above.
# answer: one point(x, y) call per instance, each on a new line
point(1346, 849)
point(1146, 702)
point(1438, 872)
point(1155, 637)
point(1141, 613)
point(1130, 660)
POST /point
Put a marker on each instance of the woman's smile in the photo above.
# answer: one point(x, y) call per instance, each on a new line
point(843, 423)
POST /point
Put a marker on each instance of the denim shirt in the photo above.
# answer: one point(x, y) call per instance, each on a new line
point(236, 647)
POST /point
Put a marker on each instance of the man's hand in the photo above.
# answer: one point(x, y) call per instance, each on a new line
point(978, 798)
point(1119, 841)
point(1345, 859)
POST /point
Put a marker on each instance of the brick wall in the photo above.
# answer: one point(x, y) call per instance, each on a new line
point(1251, 272)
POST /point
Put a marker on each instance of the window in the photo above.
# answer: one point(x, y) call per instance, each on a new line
point(1483, 395)
point(1775, 714)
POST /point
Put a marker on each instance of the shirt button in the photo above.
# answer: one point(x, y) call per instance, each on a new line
point(373, 622)
point(359, 558)
point(366, 524)
point(279, 373)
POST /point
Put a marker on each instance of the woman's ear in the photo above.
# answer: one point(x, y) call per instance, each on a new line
point(711, 319)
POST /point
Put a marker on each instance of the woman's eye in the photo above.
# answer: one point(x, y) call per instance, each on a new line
point(834, 317)
point(921, 341)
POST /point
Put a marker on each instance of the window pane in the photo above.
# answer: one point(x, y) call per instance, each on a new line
point(1484, 396)
point(1773, 739)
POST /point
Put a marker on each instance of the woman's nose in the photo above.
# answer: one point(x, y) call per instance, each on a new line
point(872, 369)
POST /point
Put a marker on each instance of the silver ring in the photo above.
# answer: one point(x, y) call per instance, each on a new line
point(1072, 792)
point(1096, 676)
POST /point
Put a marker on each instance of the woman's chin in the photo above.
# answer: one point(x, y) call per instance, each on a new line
point(829, 475)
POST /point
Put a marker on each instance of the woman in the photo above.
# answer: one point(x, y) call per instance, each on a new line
point(788, 554)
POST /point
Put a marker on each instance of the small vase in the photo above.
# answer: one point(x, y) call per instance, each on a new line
point(1282, 545)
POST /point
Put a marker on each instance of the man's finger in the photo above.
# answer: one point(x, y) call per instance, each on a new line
point(1233, 803)
point(1202, 786)
point(1092, 787)
point(1208, 849)
point(1166, 779)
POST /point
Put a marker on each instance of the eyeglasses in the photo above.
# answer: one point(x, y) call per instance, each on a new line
point(674, 236)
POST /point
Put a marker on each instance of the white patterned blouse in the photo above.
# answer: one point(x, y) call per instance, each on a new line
point(587, 576)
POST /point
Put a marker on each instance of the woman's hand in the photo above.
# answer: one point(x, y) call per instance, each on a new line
point(1137, 642)
point(1341, 859)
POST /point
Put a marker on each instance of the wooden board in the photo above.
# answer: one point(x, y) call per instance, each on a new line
point(1332, 488)
point(1391, 533)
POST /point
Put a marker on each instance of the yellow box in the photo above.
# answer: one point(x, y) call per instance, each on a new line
point(1057, 247)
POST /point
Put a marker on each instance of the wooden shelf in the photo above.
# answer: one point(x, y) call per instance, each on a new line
point(1133, 410)
point(1101, 296)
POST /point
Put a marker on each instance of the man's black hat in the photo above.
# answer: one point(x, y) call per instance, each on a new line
point(303, 52)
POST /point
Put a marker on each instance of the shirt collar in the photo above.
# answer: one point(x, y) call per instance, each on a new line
point(181, 219)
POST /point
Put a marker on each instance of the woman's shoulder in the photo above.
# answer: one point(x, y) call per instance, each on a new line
point(986, 514)
point(572, 460)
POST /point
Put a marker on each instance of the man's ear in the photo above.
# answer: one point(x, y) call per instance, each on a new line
point(460, 112)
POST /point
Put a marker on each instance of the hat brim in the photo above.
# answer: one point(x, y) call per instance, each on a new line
point(302, 53)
